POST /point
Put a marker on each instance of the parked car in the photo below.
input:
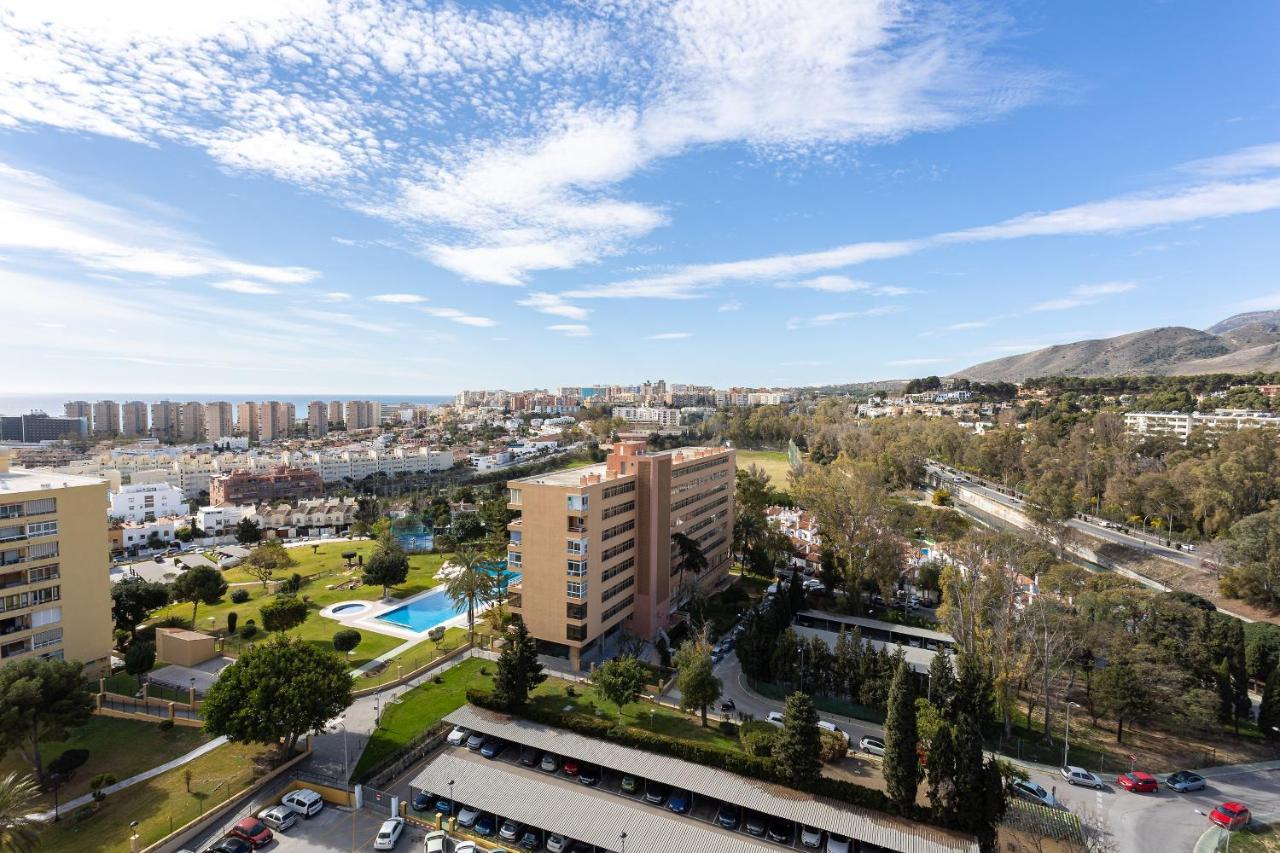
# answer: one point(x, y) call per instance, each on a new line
point(467, 816)
point(435, 841)
point(510, 830)
point(529, 756)
point(837, 843)
point(814, 585)
point(1080, 776)
point(493, 747)
point(252, 830)
point(656, 793)
point(389, 833)
point(872, 745)
point(557, 843)
point(589, 774)
point(729, 815)
point(781, 831)
point(444, 805)
point(279, 818)
point(550, 762)
point(755, 824)
point(1231, 815)
point(422, 801)
point(775, 717)
point(532, 839)
point(728, 705)
point(485, 824)
point(304, 801)
point(1184, 781)
point(231, 844)
point(630, 784)
point(679, 801)
point(1029, 790)
point(570, 767)
point(833, 728)
point(475, 740)
point(1138, 782)
point(466, 847)
point(458, 736)
point(811, 837)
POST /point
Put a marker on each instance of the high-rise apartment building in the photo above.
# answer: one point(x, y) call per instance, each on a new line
point(164, 420)
point(55, 591)
point(335, 411)
point(248, 421)
point(317, 419)
point(595, 550)
point(191, 421)
point(218, 421)
point(79, 409)
point(363, 414)
point(106, 418)
point(38, 426)
point(133, 419)
point(282, 416)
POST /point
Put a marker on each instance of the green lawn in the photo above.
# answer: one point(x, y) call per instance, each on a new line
point(415, 657)
point(122, 747)
point(774, 463)
point(645, 716)
point(160, 805)
point(726, 607)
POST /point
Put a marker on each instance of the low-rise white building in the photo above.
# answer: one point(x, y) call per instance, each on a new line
point(221, 520)
point(1180, 424)
point(138, 535)
point(146, 502)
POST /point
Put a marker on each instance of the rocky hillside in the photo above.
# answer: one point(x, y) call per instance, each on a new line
point(1239, 344)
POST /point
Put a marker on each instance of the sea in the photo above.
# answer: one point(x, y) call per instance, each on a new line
point(51, 404)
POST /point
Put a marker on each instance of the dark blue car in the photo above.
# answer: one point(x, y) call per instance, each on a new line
point(421, 801)
point(484, 825)
point(680, 801)
point(729, 815)
point(492, 746)
point(444, 806)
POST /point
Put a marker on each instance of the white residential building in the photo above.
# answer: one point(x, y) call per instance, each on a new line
point(146, 502)
point(221, 520)
point(663, 417)
point(135, 535)
point(1180, 424)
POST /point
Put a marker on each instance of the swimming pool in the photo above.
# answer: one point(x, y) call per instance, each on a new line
point(434, 608)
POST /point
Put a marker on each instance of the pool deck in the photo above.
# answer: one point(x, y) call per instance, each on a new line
point(367, 619)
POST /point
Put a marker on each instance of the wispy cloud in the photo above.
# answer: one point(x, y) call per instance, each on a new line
point(460, 317)
point(827, 284)
point(399, 298)
point(1246, 161)
point(838, 316)
point(571, 330)
point(240, 285)
point(336, 296)
point(670, 336)
point(730, 306)
point(1085, 294)
point(550, 303)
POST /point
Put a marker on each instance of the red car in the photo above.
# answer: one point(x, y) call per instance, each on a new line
point(1138, 782)
point(1230, 815)
point(570, 767)
point(253, 831)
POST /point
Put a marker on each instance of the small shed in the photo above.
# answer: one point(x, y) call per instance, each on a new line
point(185, 647)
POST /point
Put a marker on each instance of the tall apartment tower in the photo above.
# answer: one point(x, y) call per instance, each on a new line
point(594, 545)
point(79, 409)
point(106, 417)
point(164, 420)
point(335, 410)
point(361, 414)
point(191, 422)
point(248, 421)
point(53, 556)
point(277, 420)
point(317, 419)
point(218, 421)
point(133, 419)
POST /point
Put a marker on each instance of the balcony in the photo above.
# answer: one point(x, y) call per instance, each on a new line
point(576, 612)
point(14, 625)
point(577, 524)
point(577, 546)
point(576, 568)
point(515, 600)
point(577, 633)
point(13, 579)
point(576, 590)
point(18, 647)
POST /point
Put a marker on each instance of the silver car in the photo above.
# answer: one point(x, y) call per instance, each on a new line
point(872, 746)
point(1080, 776)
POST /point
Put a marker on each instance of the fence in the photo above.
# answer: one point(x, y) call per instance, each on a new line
point(413, 752)
point(407, 669)
point(149, 709)
point(822, 703)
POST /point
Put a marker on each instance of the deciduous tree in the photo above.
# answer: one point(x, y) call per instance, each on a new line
point(695, 676)
point(133, 600)
point(620, 681)
point(387, 566)
point(199, 585)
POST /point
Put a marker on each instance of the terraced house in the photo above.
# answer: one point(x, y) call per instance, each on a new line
point(55, 596)
point(595, 550)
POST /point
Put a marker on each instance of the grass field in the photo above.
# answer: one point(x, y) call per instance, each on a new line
point(122, 747)
point(160, 805)
point(774, 463)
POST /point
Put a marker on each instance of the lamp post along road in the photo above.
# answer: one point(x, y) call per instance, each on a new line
point(1066, 739)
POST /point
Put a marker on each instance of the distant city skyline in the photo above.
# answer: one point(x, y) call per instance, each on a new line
point(480, 196)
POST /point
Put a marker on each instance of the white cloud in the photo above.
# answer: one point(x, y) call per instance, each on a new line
point(838, 316)
point(551, 303)
point(399, 298)
point(828, 284)
point(337, 296)
point(571, 330)
point(730, 306)
point(1246, 161)
point(239, 285)
point(967, 325)
point(670, 336)
point(1085, 294)
point(460, 317)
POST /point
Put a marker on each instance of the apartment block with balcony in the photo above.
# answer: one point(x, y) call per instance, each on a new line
point(595, 550)
point(55, 590)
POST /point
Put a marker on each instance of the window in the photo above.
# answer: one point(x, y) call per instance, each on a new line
point(620, 489)
point(618, 510)
point(620, 548)
point(576, 632)
point(11, 511)
point(578, 503)
point(617, 608)
point(43, 528)
point(576, 612)
point(48, 616)
point(40, 507)
point(624, 584)
point(516, 537)
point(513, 496)
point(11, 533)
point(577, 568)
point(43, 550)
point(618, 530)
point(577, 546)
point(514, 559)
point(47, 638)
point(618, 569)
point(43, 573)
point(577, 589)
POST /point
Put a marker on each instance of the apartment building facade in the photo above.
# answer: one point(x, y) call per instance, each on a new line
point(317, 419)
point(133, 419)
point(253, 487)
point(106, 417)
point(595, 550)
point(218, 420)
point(55, 591)
point(1180, 424)
point(137, 503)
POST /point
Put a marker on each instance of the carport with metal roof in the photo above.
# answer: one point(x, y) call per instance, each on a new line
point(865, 825)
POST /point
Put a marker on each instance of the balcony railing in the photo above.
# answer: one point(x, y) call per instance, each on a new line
point(515, 600)
point(576, 612)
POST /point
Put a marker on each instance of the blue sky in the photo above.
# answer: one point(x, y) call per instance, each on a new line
point(364, 197)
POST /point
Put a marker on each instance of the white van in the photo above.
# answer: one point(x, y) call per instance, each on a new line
point(304, 801)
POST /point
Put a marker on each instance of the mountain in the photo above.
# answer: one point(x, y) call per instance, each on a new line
point(1239, 344)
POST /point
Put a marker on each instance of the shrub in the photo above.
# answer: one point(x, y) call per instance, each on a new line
point(166, 725)
point(232, 618)
point(760, 741)
point(283, 614)
point(346, 640)
point(120, 637)
point(97, 783)
point(68, 762)
point(728, 727)
point(436, 634)
point(146, 634)
point(239, 596)
point(249, 631)
point(833, 748)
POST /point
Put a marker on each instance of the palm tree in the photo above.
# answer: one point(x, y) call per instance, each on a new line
point(18, 830)
point(472, 584)
point(691, 558)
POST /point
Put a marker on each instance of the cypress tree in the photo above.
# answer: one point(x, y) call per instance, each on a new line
point(970, 776)
point(1241, 705)
point(942, 681)
point(798, 751)
point(1269, 707)
point(941, 775)
point(901, 764)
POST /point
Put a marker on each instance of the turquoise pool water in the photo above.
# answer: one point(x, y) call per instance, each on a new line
point(435, 608)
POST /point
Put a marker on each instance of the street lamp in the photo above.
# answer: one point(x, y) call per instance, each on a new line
point(342, 724)
point(55, 779)
point(623, 839)
point(451, 797)
point(1066, 740)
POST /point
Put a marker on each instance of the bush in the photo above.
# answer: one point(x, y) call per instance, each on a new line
point(834, 747)
point(436, 634)
point(97, 783)
point(232, 618)
point(283, 614)
point(249, 631)
point(120, 637)
point(728, 727)
point(759, 739)
point(146, 634)
point(239, 596)
point(68, 762)
point(346, 640)
point(166, 725)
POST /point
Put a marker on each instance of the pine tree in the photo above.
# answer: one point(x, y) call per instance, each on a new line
point(1269, 707)
point(797, 753)
point(973, 694)
point(901, 764)
point(942, 681)
point(519, 670)
point(941, 775)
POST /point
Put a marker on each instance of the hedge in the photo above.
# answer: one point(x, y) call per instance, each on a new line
point(731, 760)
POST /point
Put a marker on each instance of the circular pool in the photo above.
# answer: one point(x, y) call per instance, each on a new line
point(346, 608)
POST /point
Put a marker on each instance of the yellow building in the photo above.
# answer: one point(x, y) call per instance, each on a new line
point(55, 589)
point(595, 550)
